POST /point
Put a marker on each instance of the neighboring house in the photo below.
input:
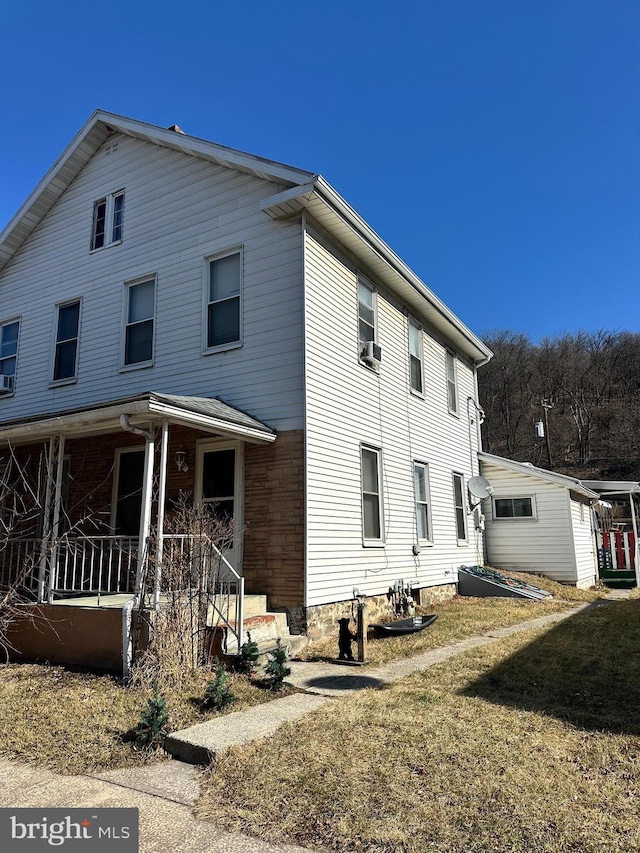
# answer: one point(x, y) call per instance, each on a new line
point(180, 316)
point(538, 521)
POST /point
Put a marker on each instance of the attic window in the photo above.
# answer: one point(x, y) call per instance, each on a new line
point(108, 218)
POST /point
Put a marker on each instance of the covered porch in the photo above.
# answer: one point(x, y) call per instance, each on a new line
point(92, 501)
point(616, 531)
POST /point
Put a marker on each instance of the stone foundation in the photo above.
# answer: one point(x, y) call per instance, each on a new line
point(322, 619)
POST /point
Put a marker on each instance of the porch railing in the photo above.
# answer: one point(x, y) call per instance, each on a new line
point(102, 565)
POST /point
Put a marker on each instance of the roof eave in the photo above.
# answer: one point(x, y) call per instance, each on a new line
point(336, 214)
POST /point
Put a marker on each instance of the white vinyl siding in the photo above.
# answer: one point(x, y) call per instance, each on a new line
point(179, 211)
point(348, 407)
point(555, 543)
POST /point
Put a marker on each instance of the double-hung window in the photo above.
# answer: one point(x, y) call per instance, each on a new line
point(224, 288)
point(452, 383)
point(366, 313)
point(423, 508)
point(371, 495)
point(9, 335)
point(140, 322)
point(415, 357)
point(459, 507)
point(108, 220)
point(65, 359)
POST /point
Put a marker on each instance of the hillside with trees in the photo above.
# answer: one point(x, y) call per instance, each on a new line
point(589, 385)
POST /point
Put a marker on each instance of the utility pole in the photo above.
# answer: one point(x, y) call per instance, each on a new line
point(546, 405)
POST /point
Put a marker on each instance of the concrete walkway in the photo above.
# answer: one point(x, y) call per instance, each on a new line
point(165, 792)
point(321, 681)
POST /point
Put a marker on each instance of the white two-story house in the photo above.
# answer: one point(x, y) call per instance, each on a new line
point(177, 316)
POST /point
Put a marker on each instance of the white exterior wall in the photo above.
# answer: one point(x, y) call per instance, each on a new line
point(178, 209)
point(586, 563)
point(543, 544)
point(346, 405)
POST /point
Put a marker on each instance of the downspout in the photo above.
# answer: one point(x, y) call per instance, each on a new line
point(145, 524)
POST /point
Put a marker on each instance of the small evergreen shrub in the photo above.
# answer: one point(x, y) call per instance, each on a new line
point(152, 728)
point(276, 668)
point(218, 693)
point(247, 660)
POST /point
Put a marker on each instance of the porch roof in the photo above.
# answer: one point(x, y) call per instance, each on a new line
point(611, 488)
point(208, 414)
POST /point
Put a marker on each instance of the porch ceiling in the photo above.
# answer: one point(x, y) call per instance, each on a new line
point(206, 414)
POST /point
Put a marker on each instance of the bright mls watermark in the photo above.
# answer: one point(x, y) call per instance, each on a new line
point(80, 830)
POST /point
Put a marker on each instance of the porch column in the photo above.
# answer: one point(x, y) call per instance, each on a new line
point(145, 515)
point(55, 527)
point(162, 491)
point(46, 521)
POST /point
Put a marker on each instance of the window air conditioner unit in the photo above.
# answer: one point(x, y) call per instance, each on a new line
point(6, 384)
point(371, 353)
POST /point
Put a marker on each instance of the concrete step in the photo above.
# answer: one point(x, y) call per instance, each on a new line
point(266, 627)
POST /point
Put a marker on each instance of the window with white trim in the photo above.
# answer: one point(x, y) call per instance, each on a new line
point(371, 495)
point(459, 507)
point(423, 500)
point(140, 322)
point(416, 372)
point(224, 291)
point(452, 383)
point(520, 507)
point(65, 359)
point(108, 220)
point(9, 336)
point(366, 313)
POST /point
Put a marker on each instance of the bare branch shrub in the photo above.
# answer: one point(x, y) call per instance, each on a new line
point(192, 569)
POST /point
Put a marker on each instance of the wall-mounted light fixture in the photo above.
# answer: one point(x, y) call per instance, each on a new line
point(181, 460)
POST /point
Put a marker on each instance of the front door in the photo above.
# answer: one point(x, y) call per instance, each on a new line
point(219, 485)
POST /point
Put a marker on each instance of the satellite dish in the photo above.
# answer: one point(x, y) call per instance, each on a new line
point(480, 487)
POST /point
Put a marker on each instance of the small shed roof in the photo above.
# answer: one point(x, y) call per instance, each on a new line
point(527, 468)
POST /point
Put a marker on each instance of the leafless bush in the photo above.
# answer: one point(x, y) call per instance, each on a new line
point(190, 567)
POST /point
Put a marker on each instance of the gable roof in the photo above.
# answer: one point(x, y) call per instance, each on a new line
point(305, 191)
point(526, 468)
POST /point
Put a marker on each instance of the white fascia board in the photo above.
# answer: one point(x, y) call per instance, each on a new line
point(140, 412)
point(196, 146)
point(284, 204)
point(175, 414)
point(378, 244)
point(570, 483)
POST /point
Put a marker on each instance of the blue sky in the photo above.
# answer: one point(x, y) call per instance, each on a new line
point(492, 143)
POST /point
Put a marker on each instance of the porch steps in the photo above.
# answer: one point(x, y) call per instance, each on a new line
point(265, 627)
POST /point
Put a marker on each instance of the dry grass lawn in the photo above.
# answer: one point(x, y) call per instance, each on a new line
point(74, 722)
point(529, 745)
point(459, 618)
